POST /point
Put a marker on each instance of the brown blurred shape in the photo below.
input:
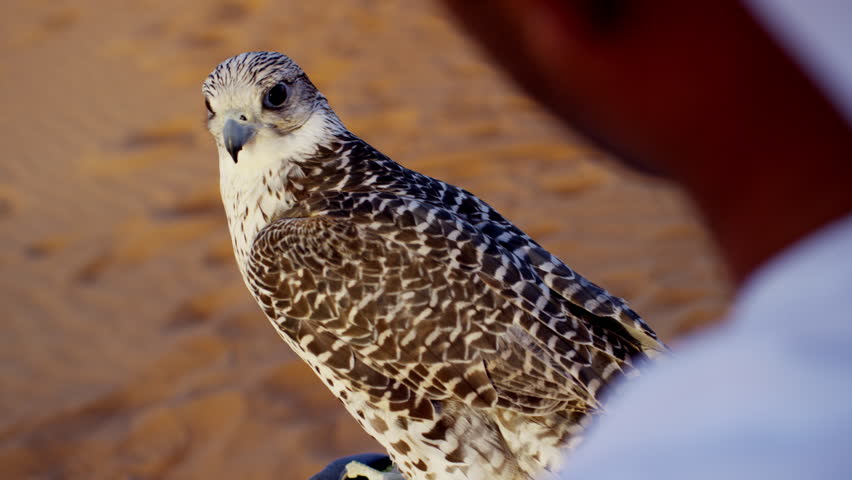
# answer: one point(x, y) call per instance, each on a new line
point(697, 91)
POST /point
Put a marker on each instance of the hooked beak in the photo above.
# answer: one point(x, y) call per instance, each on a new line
point(236, 135)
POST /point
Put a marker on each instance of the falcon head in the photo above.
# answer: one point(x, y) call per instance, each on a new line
point(261, 106)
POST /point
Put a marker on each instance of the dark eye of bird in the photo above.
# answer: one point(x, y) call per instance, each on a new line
point(276, 96)
point(210, 111)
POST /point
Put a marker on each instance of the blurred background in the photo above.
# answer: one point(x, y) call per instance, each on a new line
point(130, 347)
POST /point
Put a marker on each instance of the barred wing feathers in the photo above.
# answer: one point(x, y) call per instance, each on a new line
point(412, 302)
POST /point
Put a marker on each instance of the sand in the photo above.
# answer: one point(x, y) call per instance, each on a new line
point(130, 348)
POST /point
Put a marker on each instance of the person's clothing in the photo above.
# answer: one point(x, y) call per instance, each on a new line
point(767, 395)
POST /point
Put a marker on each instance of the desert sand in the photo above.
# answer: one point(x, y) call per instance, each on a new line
point(130, 348)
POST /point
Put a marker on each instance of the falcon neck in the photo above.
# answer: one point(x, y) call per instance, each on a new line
point(260, 185)
point(348, 164)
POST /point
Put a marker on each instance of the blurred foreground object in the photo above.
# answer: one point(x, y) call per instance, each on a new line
point(695, 91)
point(700, 93)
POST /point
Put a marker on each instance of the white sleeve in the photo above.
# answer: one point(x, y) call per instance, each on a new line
point(735, 406)
point(818, 34)
point(767, 396)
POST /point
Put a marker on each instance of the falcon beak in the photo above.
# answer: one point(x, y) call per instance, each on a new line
point(236, 135)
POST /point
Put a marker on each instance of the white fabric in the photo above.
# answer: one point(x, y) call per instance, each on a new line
point(766, 396)
point(818, 34)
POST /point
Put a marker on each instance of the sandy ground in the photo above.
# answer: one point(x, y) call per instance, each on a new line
point(130, 348)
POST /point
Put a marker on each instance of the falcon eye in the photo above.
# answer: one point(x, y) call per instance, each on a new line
point(276, 96)
point(210, 111)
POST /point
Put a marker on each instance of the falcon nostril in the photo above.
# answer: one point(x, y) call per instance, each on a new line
point(243, 118)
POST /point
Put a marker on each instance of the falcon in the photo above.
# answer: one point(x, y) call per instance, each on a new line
point(458, 342)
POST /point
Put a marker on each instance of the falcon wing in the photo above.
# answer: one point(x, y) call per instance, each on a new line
point(391, 292)
point(617, 328)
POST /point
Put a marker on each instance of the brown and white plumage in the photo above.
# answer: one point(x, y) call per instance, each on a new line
point(458, 342)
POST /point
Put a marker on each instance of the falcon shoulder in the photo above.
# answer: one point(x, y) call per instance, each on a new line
point(616, 326)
